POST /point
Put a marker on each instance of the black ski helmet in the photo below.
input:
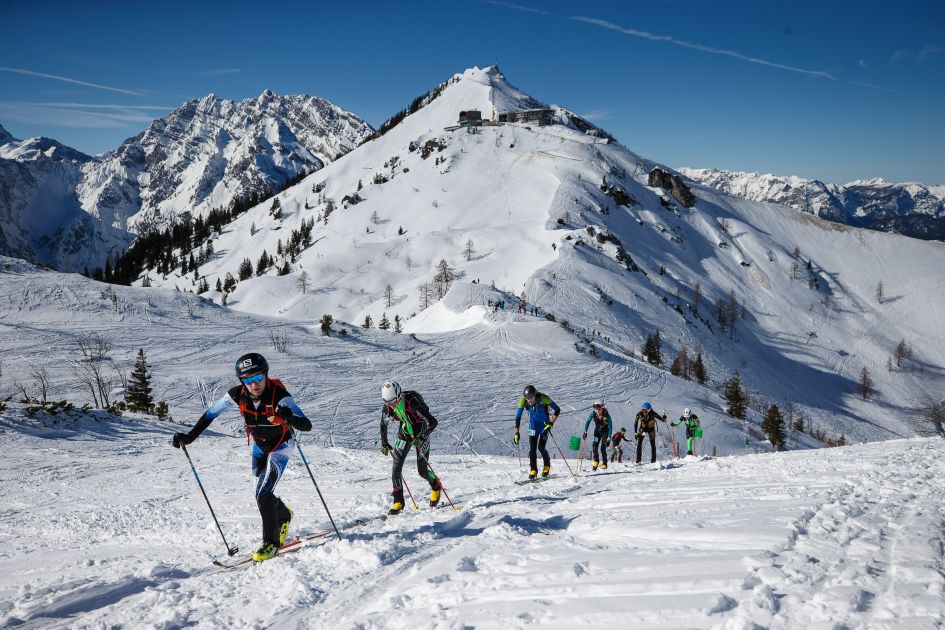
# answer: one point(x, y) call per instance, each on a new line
point(530, 391)
point(251, 363)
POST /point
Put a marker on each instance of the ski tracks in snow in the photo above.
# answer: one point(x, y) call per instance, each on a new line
point(872, 556)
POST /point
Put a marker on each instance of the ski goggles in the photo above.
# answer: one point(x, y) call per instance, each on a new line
point(255, 378)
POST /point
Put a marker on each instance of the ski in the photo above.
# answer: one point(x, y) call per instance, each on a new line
point(522, 482)
point(288, 546)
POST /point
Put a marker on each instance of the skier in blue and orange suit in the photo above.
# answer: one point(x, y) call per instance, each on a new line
point(543, 413)
point(272, 418)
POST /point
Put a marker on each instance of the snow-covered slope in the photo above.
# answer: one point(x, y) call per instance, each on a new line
point(913, 209)
point(848, 537)
point(550, 211)
point(211, 151)
point(40, 215)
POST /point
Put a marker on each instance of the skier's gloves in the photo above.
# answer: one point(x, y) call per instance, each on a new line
point(285, 413)
point(181, 439)
point(639, 435)
point(385, 448)
point(516, 437)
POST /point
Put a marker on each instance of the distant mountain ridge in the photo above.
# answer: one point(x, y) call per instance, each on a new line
point(72, 211)
point(913, 209)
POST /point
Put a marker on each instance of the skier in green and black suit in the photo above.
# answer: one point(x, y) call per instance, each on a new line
point(416, 422)
point(542, 413)
point(603, 428)
point(691, 421)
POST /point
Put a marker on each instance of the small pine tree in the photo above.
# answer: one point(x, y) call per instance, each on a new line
point(368, 322)
point(773, 426)
point(219, 286)
point(880, 293)
point(384, 324)
point(469, 250)
point(652, 349)
point(138, 396)
point(397, 327)
point(246, 269)
point(389, 295)
point(374, 218)
point(698, 370)
point(681, 364)
point(866, 384)
point(327, 321)
point(262, 264)
point(736, 398)
point(229, 282)
point(162, 411)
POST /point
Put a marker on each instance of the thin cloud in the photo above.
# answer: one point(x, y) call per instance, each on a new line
point(56, 77)
point(899, 55)
point(929, 50)
point(219, 72)
point(75, 115)
point(99, 106)
point(715, 51)
point(517, 7)
point(597, 114)
point(872, 86)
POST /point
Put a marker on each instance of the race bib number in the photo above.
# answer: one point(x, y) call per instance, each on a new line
point(399, 444)
point(532, 433)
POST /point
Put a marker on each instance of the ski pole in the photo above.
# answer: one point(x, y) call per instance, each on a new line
point(430, 468)
point(230, 550)
point(317, 489)
point(415, 506)
point(570, 470)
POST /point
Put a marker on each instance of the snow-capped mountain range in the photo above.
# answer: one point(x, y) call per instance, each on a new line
point(72, 211)
point(561, 214)
point(913, 208)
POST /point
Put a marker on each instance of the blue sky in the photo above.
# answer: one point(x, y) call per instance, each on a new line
point(837, 92)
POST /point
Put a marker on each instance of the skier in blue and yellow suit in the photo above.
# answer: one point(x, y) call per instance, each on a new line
point(540, 407)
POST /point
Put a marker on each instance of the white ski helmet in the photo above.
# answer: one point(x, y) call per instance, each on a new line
point(390, 391)
point(599, 402)
point(686, 412)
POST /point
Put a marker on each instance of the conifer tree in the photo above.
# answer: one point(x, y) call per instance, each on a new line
point(773, 426)
point(327, 321)
point(368, 322)
point(139, 395)
point(384, 324)
point(397, 327)
point(736, 397)
point(246, 269)
point(698, 370)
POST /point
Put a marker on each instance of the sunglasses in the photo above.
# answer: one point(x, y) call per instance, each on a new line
point(255, 378)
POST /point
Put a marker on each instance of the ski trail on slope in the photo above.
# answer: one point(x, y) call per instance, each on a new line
point(872, 555)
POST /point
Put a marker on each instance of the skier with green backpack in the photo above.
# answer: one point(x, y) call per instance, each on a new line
point(693, 431)
point(416, 423)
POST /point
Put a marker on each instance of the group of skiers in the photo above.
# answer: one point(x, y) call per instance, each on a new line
point(271, 418)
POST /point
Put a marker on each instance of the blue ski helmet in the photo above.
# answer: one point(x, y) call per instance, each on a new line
point(647, 406)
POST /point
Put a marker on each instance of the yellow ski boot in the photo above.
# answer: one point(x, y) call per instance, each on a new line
point(267, 551)
point(434, 497)
point(284, 527)
point(396, 508)
point(545, 471)
point(533, 474)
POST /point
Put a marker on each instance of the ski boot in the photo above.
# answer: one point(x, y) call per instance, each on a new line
point(533, 474)
point(546, 471)
point(594, 466)
point(265, 552)
point(397, 508)
point(284, 527)
point(604, 466)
